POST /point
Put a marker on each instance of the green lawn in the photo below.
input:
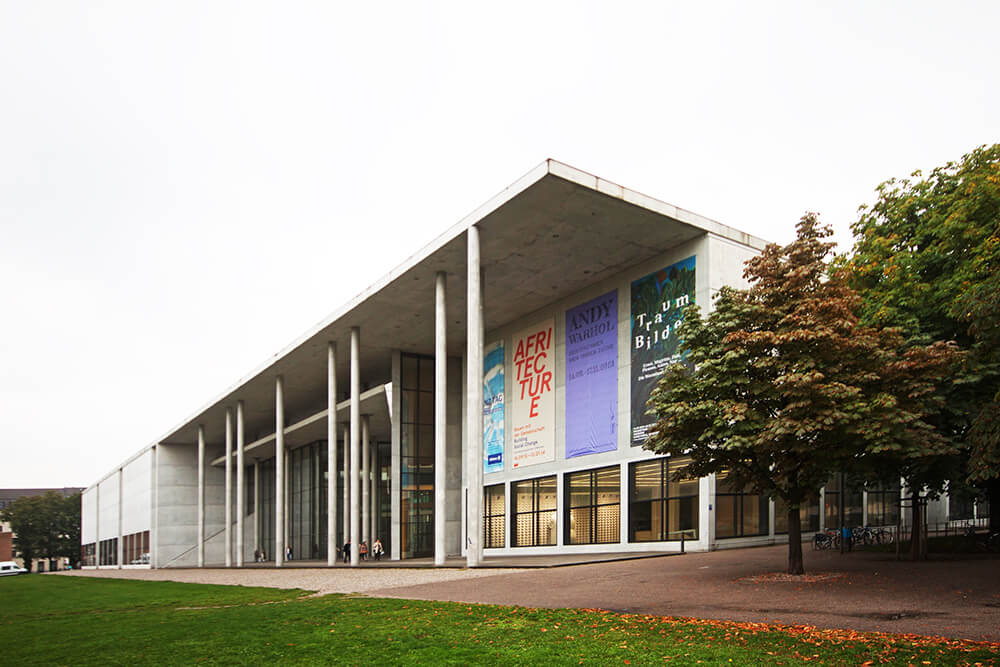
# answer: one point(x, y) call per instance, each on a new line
point(56, 620)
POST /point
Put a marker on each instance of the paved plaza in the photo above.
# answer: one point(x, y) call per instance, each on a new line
point(953, 597)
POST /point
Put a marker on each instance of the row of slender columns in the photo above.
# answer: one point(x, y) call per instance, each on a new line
point(359, 518)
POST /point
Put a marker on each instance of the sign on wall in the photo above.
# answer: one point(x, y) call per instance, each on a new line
point(592, 376)
point(493, 407)
point(657, 303)
point(533, 413)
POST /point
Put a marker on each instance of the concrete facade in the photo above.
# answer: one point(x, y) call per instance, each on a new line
point(555, 239)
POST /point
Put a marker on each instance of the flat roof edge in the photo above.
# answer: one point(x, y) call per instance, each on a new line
point(548, 167)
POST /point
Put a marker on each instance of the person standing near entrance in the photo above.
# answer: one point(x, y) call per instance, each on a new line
point(347, 551)
point(364, 550)
point(377, 550)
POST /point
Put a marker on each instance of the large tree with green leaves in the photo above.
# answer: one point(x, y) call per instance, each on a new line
point(926, 259)
point(785, 387)
point(45, 526)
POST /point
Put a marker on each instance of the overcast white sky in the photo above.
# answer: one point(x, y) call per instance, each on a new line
point(187, 186)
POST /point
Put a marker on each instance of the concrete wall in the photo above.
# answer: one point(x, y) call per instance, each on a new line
point(177, 508)
point(137, 494)
point(88, 516)
point(215, 509)
point(108, 510)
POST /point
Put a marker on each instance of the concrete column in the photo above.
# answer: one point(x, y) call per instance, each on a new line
point(366, 502)
point(121, 499)
point(256, 506)
point(97, 526)
point(154, 530)
point(373, 504)
point(331, 454)
point(345, 534)
point(229, 488)
point(240, 482)
point(474, 403)
point(440, 415)
point(355, 443)
point(279, 470)
point(395, 447)
point(200, 538)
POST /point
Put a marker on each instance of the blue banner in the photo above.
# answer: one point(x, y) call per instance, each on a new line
point(592, 376)
point(493, 407)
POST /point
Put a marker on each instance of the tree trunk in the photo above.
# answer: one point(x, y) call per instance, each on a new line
point(795, 565)
point(993, 495)
point(916, 527)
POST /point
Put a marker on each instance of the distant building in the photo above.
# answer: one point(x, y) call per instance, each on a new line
point(8, 496)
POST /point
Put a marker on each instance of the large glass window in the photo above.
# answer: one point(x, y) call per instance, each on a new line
point(883, 504)
point(534, 512)
point(248, 490)
point(417, 457)
point(108, 552)
point(266, 519)
point(661, 509)
point(307, 495)
point(851, 493)
point(88, 554)
point(494, 517)
point(738, 514)
point(808, 515)
point(383, 507)
point(135, 548)
point(593, 506)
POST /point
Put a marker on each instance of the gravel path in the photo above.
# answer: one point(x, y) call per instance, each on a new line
point(321, 580)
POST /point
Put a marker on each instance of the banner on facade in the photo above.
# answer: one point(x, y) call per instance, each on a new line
point(592, 376)
point(533, 412)
point(657, 303)
point(493, 407)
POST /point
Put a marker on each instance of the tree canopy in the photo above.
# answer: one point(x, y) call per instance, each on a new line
point(927, 259)
point(45, 526)
point(783, 386)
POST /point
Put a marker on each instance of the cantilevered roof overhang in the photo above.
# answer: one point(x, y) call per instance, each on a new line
point(552, 233)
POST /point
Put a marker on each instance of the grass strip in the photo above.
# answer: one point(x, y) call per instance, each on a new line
point(82, 621)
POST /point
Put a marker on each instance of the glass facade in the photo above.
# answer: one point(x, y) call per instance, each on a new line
point(248, 490)
point(382, 488)
point(136, 548)
point(852, 499)
point(417, 457)
point(108, 552)
point(494, 517)
point(593, 506)
point(88, 554)
point(739, 514)
point(808, 515)
point(535, 513)
point(266, 519)
point(661, 509)
point(883, 505)
point(307, 507)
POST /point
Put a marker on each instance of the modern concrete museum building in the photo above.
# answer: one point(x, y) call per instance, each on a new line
point(486, 398)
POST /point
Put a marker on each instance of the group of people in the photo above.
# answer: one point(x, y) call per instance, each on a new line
point(363, 550)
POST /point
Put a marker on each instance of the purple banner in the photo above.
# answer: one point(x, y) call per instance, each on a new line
point(592, 376)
